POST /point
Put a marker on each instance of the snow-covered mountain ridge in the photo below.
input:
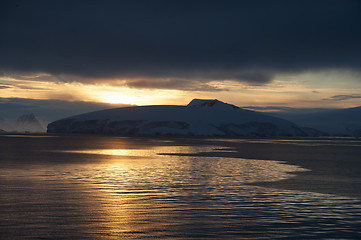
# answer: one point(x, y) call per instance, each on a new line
point(198, 118)
point(338, 122)
point(211, 103)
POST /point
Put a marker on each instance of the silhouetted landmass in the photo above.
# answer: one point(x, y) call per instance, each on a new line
point(340, 122)
point(198, 118)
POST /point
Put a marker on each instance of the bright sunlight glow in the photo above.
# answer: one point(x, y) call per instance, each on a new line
point(118, 98)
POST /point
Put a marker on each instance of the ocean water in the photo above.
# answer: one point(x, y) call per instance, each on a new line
point(106, 187)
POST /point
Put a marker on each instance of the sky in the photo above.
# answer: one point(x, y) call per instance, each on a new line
point(99, 54)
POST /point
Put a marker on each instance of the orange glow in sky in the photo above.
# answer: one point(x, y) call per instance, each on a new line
point(289, 91)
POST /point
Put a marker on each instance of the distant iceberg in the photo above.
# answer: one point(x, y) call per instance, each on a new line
point(26, 123)
point(198, 118)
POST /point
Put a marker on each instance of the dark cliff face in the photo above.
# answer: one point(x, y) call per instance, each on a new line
point(106, 126)
point(60, 126)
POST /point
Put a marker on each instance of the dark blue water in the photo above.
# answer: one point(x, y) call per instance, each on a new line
point(92, 187)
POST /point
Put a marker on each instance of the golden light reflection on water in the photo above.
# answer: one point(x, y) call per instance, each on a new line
point(67, 208)
point(149, 198)
point(150, 152)
point(129, 191)
point(171, 164)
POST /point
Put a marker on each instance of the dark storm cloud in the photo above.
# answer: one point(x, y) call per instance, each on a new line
point(247, 41)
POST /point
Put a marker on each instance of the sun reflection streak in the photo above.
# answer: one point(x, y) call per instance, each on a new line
point(151, 152)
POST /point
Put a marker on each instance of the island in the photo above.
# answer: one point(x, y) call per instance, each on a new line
point(201, 117)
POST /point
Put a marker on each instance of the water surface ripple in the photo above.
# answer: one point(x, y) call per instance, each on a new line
point(74, 187)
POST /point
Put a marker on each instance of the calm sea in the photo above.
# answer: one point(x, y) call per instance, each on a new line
point(105, 187)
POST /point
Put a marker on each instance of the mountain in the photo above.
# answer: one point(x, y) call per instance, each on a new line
point(198, 118)
point(28, 123)
point(340, 122)
point(24, 123)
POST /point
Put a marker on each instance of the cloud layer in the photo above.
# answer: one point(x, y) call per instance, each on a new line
point(344, 97)
point(47, 110)
point(177, 44)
